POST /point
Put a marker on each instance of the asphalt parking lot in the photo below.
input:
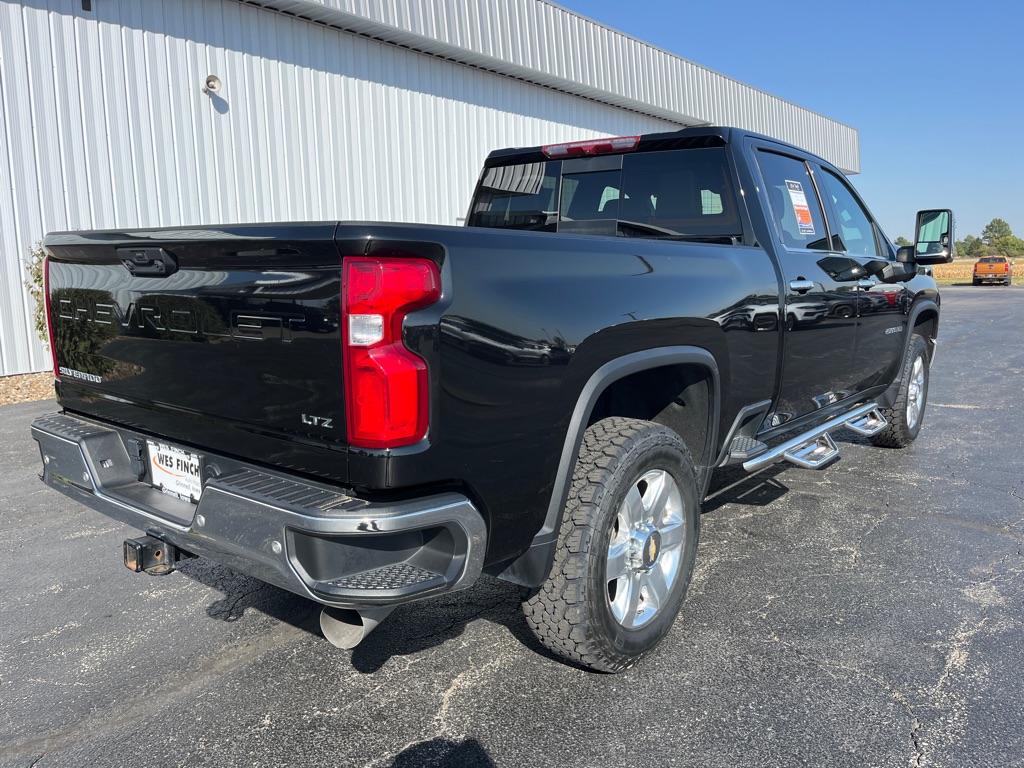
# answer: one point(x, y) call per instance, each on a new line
point(866, 615)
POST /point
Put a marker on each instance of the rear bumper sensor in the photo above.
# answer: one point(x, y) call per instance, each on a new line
point(308, 537)
point(815, 448)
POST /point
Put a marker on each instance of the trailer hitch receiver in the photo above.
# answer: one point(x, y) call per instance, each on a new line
point(151, 555)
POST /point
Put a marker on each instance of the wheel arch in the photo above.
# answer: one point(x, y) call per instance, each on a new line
point(924, 322)
point(690, 366)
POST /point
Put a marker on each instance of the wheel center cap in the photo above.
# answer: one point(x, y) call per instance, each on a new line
point(651, 549)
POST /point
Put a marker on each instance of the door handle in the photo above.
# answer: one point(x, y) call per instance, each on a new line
point(800, 285)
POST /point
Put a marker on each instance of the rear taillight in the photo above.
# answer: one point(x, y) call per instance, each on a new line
point(49, 315)
point(385, 384)
point(592, 147)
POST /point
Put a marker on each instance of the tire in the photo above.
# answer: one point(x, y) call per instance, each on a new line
point(907, 413)
point(976, 281)
point(626, 547)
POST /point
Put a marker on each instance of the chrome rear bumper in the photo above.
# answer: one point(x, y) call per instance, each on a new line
point(308, 537)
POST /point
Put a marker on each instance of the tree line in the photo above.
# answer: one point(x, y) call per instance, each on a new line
point(996, 238)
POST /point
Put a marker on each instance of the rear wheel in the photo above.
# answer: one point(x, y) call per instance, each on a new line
point(625, 550)
point(907, 412)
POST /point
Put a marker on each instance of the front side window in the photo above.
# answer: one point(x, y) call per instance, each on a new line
point(794, 202)
point(851, 223)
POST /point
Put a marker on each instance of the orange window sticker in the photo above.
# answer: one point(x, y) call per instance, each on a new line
point(800, 208)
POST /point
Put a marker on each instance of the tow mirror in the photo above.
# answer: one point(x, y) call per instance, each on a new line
point(935, 237)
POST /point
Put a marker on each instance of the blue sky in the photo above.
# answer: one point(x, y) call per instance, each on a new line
point(936, 89)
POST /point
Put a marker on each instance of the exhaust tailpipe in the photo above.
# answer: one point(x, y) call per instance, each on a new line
point(346, 628)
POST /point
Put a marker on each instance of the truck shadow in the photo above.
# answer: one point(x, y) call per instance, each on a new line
point(240, 593)
point(418, 627)
point(443, 751)
point(410, 629)
point(733, 485)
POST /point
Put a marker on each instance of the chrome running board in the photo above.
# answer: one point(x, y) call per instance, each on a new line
point(815, 448)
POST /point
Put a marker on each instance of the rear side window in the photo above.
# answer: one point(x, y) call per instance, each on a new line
point(679, 193)
point(685, 191)
point(521, 196)
point(794, 203)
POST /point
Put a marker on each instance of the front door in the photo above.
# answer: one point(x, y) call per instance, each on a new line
point(883, 307)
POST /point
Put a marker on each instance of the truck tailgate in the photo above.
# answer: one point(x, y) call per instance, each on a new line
point(226, 338)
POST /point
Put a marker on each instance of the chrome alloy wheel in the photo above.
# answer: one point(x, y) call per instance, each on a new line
point(915, 393)
point(645, 549)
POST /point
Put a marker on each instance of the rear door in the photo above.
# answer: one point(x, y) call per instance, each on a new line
point(820, 310)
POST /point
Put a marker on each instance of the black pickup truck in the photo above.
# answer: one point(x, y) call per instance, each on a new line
point(368, 414)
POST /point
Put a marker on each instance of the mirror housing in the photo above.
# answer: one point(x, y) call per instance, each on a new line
point(897, 272)
point(905, 254)
point(934, 238)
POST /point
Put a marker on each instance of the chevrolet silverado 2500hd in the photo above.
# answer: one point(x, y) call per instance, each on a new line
point(368, 414)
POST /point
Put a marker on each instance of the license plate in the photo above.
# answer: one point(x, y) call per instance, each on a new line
point(175, 471)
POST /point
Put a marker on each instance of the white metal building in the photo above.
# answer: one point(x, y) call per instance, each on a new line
point(328, 109)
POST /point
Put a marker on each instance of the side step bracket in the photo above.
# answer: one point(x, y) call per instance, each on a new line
point(813, 454)
point(869, 424)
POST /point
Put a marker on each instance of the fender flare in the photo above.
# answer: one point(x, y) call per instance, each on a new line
point(531, 568)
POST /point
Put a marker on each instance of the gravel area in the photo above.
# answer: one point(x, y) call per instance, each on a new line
point(26, 388)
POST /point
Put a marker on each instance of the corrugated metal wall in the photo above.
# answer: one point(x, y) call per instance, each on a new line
point(104, 124)
point(543, 42)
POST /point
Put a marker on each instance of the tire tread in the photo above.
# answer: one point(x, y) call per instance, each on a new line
point(896, 434)
point(557, 612)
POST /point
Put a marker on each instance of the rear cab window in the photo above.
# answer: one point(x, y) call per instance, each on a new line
point(679, 194)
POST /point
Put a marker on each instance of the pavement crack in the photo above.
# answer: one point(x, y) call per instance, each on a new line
point(440, 727)
point(463, 620)
point(462, 680)
point(917, 759)
point(958, 653)
point(833, 670)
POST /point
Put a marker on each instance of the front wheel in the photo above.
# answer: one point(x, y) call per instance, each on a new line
point(625, 550)
point(907, 412)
